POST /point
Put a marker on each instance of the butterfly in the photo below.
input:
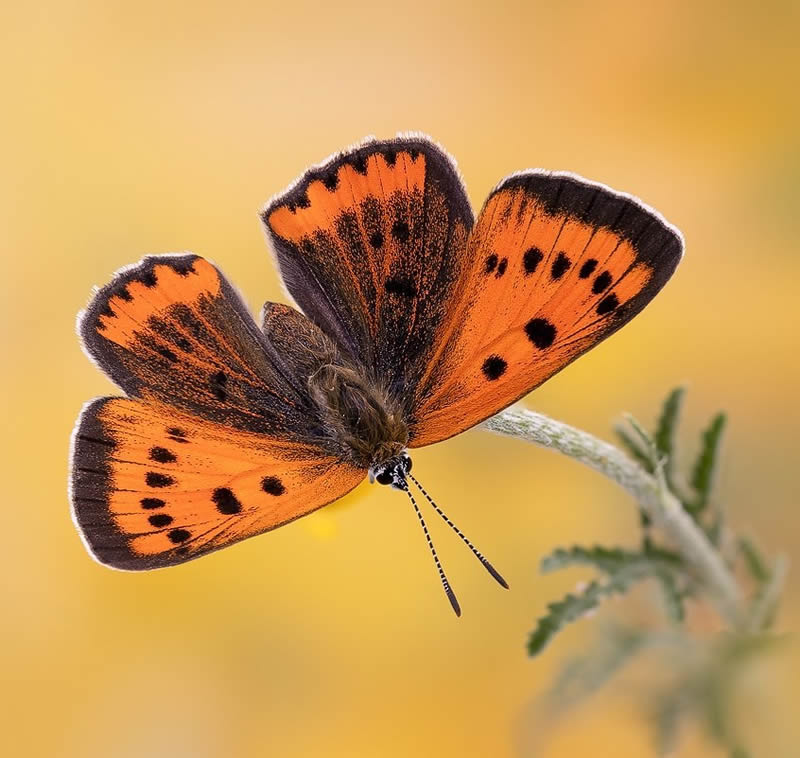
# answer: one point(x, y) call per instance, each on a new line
point(414, 322)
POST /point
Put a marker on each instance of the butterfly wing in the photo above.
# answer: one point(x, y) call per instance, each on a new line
point(173, 330)
point(371, 245)
point(556, 264)
point(376, 245)
point(152, 486)
point(219, 439)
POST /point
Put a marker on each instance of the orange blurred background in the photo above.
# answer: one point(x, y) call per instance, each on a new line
point(133, 128)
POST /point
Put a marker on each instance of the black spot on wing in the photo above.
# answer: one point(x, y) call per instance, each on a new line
point(160, 520)
point(501, 268)
point(176, 536)
point(532, 259)
point(560, 266)
point(162, 455)
point(272, 485)
point(494, 367)
point(154, 479)
point(587, 269)
point(602, 282)
point(607, 304)
point(226, 501)
point(491, 263)
point(150, 503)
point(540, 332)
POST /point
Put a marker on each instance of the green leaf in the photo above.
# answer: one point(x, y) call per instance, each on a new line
point(647, 442)
point(564, 612)
point(643, 449)
point(664, 437)
point(715, 528)
point(753, 560)
point(656, 562)
point(573, 607)
point(611, 560)
point(634, 448)
point(764, 606)
point(672, 596)
point(706, 463)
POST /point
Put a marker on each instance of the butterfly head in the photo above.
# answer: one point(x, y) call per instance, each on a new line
point(392, 472)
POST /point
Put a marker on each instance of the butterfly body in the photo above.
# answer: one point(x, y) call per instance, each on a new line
point(362, 419)
point(414, 322)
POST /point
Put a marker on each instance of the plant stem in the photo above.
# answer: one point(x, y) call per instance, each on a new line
point(653, 497)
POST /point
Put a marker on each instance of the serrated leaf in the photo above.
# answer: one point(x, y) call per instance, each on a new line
point(561, 613)
point(655, 562)
point(610, 560)
point(706, 463)
point(573, 607)
point(664, 436)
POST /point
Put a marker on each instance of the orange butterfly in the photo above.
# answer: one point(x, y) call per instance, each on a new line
point(420, 322)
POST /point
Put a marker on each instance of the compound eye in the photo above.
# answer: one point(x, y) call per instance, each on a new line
point(409, 463)
point(384, 477)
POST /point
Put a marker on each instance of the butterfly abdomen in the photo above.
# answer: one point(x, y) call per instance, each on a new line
point(358, 415)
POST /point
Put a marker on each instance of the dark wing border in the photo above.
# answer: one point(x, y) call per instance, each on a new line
point(624, 214)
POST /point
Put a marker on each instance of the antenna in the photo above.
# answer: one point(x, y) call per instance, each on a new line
point(448, 590)
point(477, 553)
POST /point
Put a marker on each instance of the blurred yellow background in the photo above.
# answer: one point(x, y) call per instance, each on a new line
point(132, 128)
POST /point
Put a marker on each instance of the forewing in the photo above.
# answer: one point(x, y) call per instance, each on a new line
point(371, 245)
point(152, 487)
point(555, 265)
point(172, 330)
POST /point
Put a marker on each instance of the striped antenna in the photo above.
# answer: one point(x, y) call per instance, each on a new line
point(451, 596)
point(477, 553)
